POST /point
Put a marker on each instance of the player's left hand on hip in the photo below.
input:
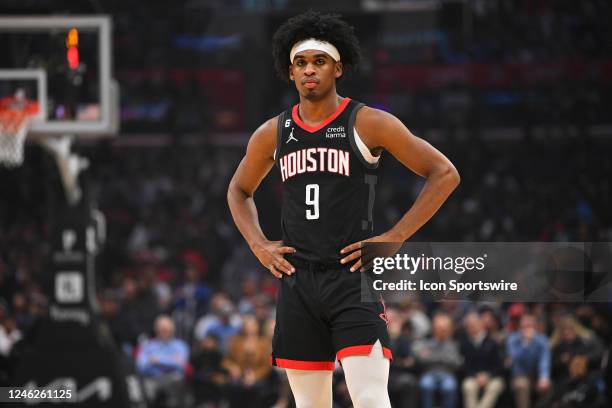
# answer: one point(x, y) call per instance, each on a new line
point(355, 251)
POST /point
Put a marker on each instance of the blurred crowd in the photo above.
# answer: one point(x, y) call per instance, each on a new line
point(547, 62)
point(488, 62)
point(519, 355)
point(190, 306)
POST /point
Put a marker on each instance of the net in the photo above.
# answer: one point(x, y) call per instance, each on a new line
point(15, 114)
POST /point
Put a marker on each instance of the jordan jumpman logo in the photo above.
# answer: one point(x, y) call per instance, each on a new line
point(291, 137)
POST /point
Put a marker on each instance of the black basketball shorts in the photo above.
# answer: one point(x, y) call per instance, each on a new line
point(320, 317)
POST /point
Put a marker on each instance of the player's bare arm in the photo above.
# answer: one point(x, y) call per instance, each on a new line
point(255, 165)
point(380, 130)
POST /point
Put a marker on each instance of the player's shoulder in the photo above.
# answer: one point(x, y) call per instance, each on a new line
point(372, 121)
point(264, 137)
point(368, 115)
point(267, 130)
point(269, 127)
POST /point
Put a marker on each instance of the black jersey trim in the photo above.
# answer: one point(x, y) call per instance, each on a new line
point(351, 133)
point(279, 135)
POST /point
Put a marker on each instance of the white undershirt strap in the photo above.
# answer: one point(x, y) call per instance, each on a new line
point(365, 152)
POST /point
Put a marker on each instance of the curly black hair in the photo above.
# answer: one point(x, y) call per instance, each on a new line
point(324, 27)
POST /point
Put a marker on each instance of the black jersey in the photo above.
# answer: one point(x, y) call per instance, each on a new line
point(328, 183)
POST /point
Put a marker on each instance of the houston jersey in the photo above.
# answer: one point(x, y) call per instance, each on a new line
point(329, 178)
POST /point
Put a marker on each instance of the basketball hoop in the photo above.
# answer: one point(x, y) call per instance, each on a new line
point(15, 115)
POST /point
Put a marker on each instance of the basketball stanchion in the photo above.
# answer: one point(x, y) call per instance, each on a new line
point(69, 164)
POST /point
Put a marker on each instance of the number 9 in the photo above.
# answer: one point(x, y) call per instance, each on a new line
point(312, 198)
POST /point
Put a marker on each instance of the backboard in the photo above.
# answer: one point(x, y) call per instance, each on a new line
point(65, 64)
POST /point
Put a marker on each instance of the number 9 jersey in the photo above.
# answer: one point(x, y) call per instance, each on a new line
point(329, 178)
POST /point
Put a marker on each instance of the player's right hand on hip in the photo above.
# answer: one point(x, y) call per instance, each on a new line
point(271, 255)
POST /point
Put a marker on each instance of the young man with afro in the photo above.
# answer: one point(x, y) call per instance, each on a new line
point(327, 149)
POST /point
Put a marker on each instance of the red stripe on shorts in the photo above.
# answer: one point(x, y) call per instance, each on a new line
point(362, 351)
point(305, 365)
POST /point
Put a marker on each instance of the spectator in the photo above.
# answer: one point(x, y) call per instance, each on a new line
point(570, 339)
point(9, 335)
point(190, 298)
point(484, 369)
point(137, 313)
point(439, 358)
point(419, 320)
point(209, 376)
point(403, 388)
point(218, 303)
point(515, 312)
point(162, 361)
point(21, 312)
point(492, 324)
point(248, 363)
point(529, 359)
point(224, 328)
point(109, 311)
point(262, 309)
point(579, 389)
point(250, 290)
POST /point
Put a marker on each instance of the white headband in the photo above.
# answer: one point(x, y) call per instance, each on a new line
point(312, 44)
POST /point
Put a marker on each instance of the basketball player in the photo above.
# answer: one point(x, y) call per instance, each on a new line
point(327, 150)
